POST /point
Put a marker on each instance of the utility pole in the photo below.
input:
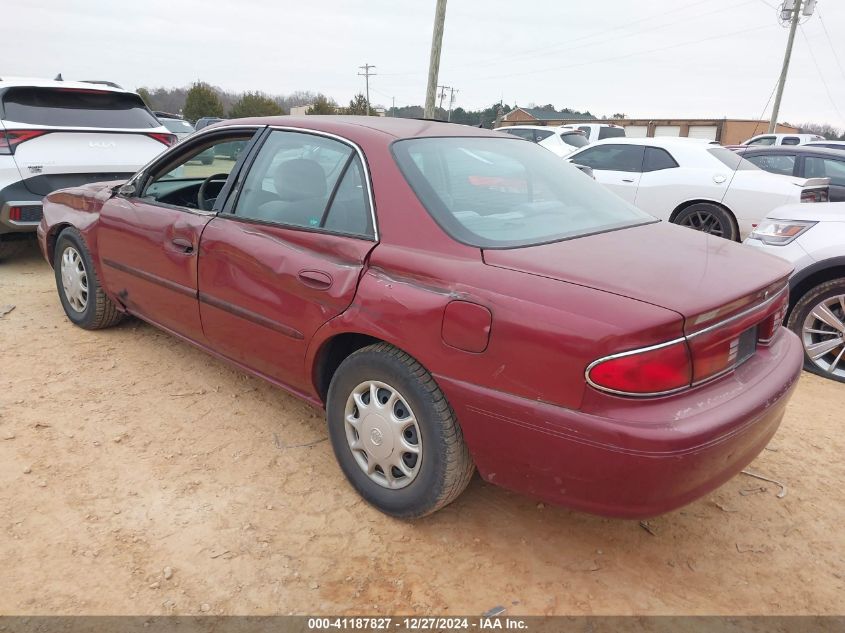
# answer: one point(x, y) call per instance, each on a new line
point(452, 92)
point(441, 96)
point(367, 74)
point(796, 17)
point(434, 62)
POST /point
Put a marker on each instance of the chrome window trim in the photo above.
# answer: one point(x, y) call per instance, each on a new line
point(361, 157)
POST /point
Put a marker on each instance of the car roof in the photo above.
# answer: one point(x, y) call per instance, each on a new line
point(814, 150)
point(659, 141)
point(34, 82)
point(817, 143)
point(393, 126)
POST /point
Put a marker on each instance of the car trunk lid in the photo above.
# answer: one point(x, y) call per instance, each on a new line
point(701, 277)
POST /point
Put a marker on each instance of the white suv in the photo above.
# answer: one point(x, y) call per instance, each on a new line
point(812, 238)
point(782, 139)
point(56, 134)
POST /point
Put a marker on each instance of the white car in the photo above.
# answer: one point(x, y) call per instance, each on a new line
point(695, 182)
point(783, 139)
point(812, 239)
point(561, 140)
point(56, 134)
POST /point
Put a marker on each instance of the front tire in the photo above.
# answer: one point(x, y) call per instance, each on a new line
point(394, 434)
point(80, 292)
point(709, 218)
point(818, 319)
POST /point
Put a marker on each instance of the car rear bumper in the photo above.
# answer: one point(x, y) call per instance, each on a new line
point(20, 209)
point(649, 457)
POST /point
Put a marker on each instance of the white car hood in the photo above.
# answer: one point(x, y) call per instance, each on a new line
point(819, 212)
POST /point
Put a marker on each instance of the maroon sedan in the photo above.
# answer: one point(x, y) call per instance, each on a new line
point(455, 299)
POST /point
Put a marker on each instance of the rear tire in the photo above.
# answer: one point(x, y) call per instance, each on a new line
point(80, 292)
point(709, 218)
point(827, 300)
point(409, 436)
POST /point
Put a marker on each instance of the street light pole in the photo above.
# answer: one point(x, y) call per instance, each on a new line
point(434, 62)
point(796, 17)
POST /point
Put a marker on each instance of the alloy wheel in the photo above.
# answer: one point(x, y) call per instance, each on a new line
point(74, 279)
point(705, 222)
point(823, 335)
point(383, 434)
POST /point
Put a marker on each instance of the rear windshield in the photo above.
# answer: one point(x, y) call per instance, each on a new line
point(70, 107)
point(576, 139)
point(611, 132)
point(500, 193)
point(731, 159)
point(177, 126)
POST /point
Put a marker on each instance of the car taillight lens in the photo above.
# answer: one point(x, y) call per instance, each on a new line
point(771, 326)
point(161, 137)
point(649, 371)
point(821, 194)
point(10, 139)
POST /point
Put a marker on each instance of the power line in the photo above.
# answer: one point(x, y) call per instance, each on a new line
point(830, 43)
point(628, 55)
point(821, 76)
point(558, 48)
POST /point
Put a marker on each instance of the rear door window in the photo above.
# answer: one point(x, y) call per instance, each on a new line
point(611, 132)
point(528, 135)
point(657, 158)
point(309, 181)
point(72, 107)
point(541, 135)
point(791, 140)
point(825, 168)
point(612, 157)
point(777, 164)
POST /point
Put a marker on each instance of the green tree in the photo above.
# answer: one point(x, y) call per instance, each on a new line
point(146, 96)
point(322, 105)
point(254, 104)
point(358, 106)
point(201, 101)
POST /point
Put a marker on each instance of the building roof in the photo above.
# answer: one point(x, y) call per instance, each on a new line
point(551, 115)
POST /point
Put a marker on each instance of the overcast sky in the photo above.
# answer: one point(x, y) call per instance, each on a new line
point(652, 58)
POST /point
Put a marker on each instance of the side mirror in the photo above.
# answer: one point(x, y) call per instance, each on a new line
point(126, 190)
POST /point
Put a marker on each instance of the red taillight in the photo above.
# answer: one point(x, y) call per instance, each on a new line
point(161, 137)
point(15, 214)
point(649, 371)
point(815, 195)
point(771, 326)
point(10, 139)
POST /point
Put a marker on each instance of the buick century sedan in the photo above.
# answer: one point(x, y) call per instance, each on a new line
point(455, 299)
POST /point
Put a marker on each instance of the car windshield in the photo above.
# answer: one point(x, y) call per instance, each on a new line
point(499, 193)
point(177, 125)
point(732, 159)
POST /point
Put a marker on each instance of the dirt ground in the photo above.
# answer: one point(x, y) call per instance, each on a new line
point(140, 476)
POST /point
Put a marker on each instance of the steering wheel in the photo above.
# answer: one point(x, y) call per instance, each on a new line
point(201, 201)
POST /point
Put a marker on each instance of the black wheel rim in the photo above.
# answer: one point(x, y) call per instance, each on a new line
point(705, 222)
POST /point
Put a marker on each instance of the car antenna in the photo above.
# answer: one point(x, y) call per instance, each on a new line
point(58, 77)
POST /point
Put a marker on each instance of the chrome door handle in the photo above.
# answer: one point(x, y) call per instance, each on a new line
point(627, 180)
point(186, 246)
